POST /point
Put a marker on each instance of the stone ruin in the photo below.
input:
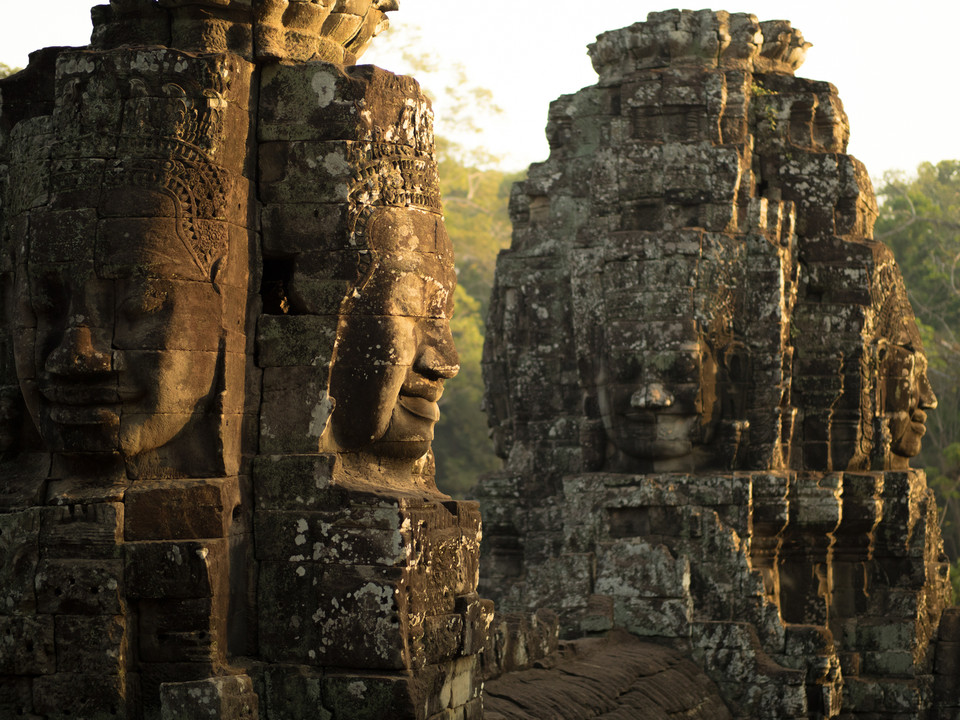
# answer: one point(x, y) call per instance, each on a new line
point(226, 289)
point(706, 382)
point(227, 286)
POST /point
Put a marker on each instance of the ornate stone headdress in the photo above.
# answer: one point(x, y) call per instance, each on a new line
point(168, 141)
point(396, 165)
point(337, 31)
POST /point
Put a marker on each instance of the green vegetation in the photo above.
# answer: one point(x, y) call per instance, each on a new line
point(758, 90)
point(6, 70)
point(475, 208)
point(920, 220)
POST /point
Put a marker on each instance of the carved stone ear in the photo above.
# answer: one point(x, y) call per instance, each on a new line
point(218, 265)
point(735, 359)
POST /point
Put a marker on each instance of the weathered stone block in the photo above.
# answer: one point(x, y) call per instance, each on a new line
point(72, 695)
point(287, 340)
point(294, 409)
point(948, 660)
point(442, 637)
point(289, 228)
point(19, 555)
point(886, 635)
point(317, 295)
point(16, 697)
point(171, 631)
point(180, 509)
point(294, 98)
point(477, 618)
point(332, 537)
point(176, 569)
point(949, 629)
point(95, 644)
point(654, 617)
point(445, 541)
point(371, 697)
point(82, 531)
point(218, 698)
point(291, 692)
point(195, 27)
point(621, 573)
point(154, 675)
point(888, 663)
point(562, 583)
point(451, 685)
point(27, 645)
point(304, 606)
point(905, 696)
point(80, 587)
point(305, 172)
point(293, 482)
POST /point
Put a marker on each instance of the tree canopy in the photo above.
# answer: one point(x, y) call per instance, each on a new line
point(475, 210)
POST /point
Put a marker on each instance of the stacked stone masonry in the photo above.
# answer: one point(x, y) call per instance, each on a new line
point(706, 382)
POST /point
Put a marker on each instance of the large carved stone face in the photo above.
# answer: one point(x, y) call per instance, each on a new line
point(119, 334)
point(394, 346)
point(659, 408)
point(905, 396)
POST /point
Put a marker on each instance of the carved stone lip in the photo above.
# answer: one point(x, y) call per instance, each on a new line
point(84, 414)
point(419, 406)
point(918, 422)
point(80, 395)
point(419, 387)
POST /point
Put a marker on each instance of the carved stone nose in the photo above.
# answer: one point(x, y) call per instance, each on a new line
point(77, 353)
point(440, 362)
point(928, 399)
point(651, 396)
point(439, 357)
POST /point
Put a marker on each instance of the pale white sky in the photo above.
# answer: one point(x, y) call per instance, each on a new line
point(894, 62)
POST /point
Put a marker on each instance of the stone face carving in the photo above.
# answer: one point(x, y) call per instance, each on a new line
point(381, 286)
point(131, 280)
point(394, 347)
point(903, 392)
point(706, 382)
point(669, 365)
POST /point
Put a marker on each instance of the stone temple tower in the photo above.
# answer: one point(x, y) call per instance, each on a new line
point(226, 287)
point(706, 382)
